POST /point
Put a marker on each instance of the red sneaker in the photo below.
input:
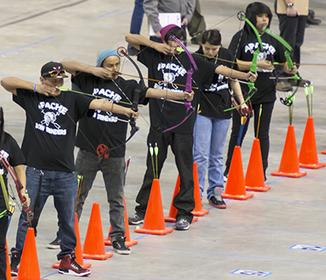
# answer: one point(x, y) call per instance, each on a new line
point(69, 266)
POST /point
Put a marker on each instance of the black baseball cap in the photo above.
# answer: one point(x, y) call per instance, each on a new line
point(53, 70)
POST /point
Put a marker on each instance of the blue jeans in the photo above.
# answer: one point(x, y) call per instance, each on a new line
point(209, 140)
point(137, 17)
point(40, 185)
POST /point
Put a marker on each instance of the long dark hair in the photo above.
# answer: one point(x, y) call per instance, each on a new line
point(254, 9)
point(211, 36)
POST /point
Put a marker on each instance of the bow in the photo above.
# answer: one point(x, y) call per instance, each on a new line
point(18, 185)
point(295, 79)
point(253, 68)
point(134, 128)
point(188, 86)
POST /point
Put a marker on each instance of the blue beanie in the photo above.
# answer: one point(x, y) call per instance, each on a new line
point(103, 54)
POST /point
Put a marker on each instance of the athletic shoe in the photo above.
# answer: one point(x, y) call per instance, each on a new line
point(182, 224)
point(69, 266)
point(55, 244)
point(14, 262)
point(135, 220)
point(120, 247)
point(220, 204)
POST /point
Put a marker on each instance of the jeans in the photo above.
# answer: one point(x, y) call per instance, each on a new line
point(137, 17)
point(40, 185)
point(181, 145)
point(3, 256)
point(209, 141)
point(263, 135)
point(88, 164)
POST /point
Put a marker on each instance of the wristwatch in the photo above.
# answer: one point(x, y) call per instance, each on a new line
point(290, 5)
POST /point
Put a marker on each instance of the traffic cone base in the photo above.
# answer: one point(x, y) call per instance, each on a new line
point(239, 197)
point(312, 165)
point(235, 186)
point(289, 174)
point(264, 188)
point(200, 213)
point(78, 249)
point(94, 242)
point(154, 217)
point(29, 267)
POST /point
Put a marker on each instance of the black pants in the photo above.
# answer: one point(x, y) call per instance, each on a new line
point(3, 256)
point(263, 134)
point(181, 145)
point(292, 30)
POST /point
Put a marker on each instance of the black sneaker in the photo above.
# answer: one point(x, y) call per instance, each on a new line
point(14, 262)
point(136, 219)
point(182, 224)
point(55, 244)
point(69, 266)
point(220, 204)
point(120, 247)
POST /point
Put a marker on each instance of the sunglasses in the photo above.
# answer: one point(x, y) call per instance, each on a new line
point(55, 73)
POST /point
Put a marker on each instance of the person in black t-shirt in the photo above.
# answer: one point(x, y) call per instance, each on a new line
point(48, 146)
point(9, 150)
point(108, 130)
point(243, 45)
point(169, 126)
point(212, 122)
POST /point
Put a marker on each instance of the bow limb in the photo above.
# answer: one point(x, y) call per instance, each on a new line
point(253, 67)
point(188, 86)
point(18, 186)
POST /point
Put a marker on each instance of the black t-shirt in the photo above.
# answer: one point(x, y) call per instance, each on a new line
point(216, 94)
point(166, 69)
point(106, 128)
point(50, 128)
point(273, 51)
point(11, 151)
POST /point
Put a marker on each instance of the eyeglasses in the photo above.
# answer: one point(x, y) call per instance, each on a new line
point(55, 73)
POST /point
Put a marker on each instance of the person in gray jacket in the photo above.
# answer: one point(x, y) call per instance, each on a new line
point(153, 8)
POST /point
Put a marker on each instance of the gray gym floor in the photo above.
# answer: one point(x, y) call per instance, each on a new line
point(256, 234)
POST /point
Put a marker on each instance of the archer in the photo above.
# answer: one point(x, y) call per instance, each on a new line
point(48, 145)
point(166, 62)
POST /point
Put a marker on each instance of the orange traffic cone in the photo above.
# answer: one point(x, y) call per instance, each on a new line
point(235, 186)
point(171, 218)
point(198, 211)
point(323, 152)
point(8, 272)
point(308, 152)
point(94, 242)
point(289, 166)
point(78, 249)
point(127, 234)
point(154, 217)
point(29, 268)
point(255, 179)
